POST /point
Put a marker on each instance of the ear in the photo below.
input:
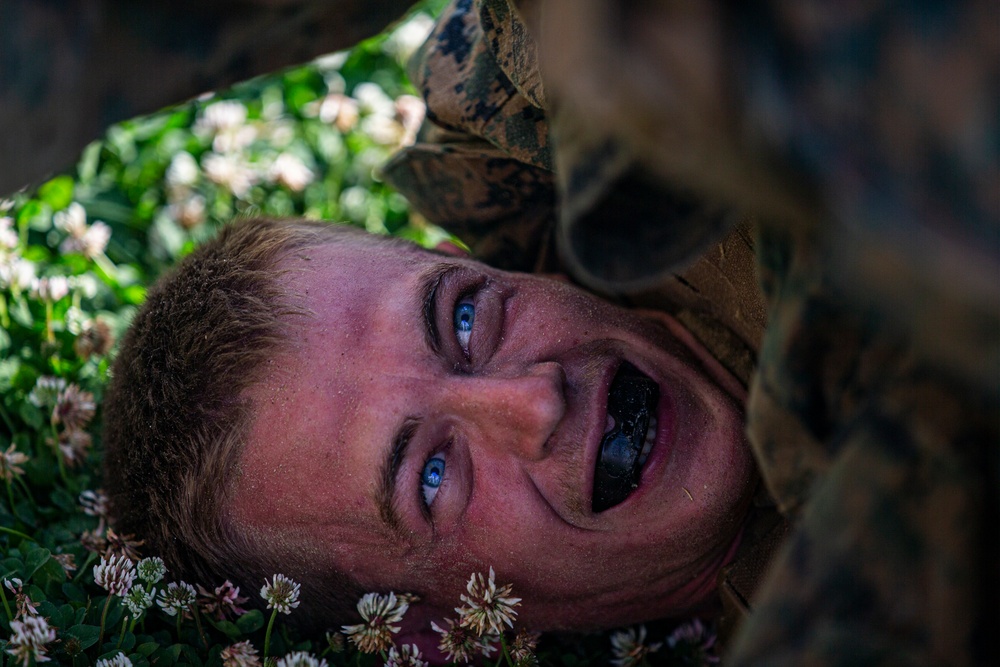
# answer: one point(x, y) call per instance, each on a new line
point(449, 248)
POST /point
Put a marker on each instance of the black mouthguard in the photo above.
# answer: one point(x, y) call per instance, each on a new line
point(631, 401)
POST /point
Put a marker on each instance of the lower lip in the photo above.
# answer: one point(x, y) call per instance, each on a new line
point(659, 454)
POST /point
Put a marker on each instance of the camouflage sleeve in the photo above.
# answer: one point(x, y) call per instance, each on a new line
point(70, 68)
point(893, 561)
point(502, 208)
point(483, 167)
point(878, 120)
point(888, 468)
point(614, 226)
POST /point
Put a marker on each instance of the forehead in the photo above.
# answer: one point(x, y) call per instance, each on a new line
point(314, 443)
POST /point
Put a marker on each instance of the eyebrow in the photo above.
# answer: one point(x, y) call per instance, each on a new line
point(385, 495)
point(429, 285)
point(388, 480)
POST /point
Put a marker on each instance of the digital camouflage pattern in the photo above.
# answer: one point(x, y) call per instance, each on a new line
point(863, 140)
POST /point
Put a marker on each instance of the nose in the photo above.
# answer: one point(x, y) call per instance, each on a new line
point(511, 413)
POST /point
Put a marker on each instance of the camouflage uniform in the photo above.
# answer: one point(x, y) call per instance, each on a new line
point(862, 137)
point(873, 409)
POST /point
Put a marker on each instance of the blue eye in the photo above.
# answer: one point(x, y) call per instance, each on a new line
point(465, 317)
point(431, 478)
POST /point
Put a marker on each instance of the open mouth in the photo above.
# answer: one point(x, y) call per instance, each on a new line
point(629, 438)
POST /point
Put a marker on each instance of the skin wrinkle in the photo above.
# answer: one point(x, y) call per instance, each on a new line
point(569, 477)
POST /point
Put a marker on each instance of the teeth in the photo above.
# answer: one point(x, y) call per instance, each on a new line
point(647, 444)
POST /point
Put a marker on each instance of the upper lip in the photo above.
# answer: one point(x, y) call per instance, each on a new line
point(592, 418)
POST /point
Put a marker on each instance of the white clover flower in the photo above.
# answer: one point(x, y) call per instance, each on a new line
point(522, 649)
point(383, 130)
point(340, 110)
point(488, 644)
point(68, 562)
point(291, 172)
point(74, 407)
point(300, 659)
point(241, 654)
point(8, 235)
point(52, 288)
point(408, 655)
point(25, 607)
point(226, 123)
point(86, 284)
point(115, 574)
point(17, 273)
point(11, 461)
point(182, 172)
point(28, 639)
point(223, 601)
point(373, 100)
point(94, 502)
point(458, 642)
point(280, 132)
point(176, 598)
point(281, 593)
point(379, 612)
point(90, 240)
point(221, 116)
point(151, 570)
point(335, 642)
point(189, 212)
point(331, 61)
point(139, 600)
point(74, 318)
point(629, 647)
point(229, 171)
point(46, 391)
point(91, 244)
point(487, 608)
point(72, 221)
point(94, 337)
point(74, 445)
point(120, 660)
point(235, 140)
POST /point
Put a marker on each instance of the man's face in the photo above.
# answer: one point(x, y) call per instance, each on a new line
point(436, 417)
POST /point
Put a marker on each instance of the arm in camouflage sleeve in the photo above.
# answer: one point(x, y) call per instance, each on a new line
point(892, 560)
point(887, 466)
point(70, 68)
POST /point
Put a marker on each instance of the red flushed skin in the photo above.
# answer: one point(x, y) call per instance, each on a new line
point(517, 420)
